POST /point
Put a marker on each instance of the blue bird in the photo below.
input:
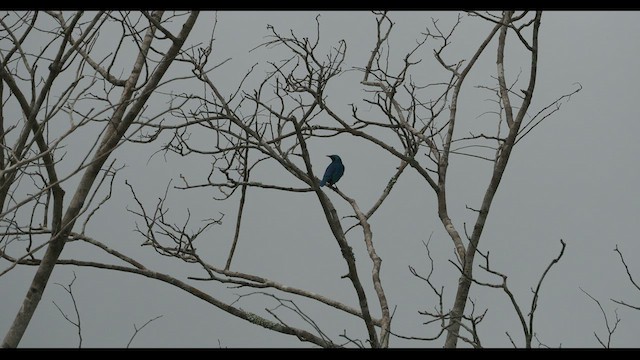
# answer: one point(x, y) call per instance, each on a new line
point(334, 171)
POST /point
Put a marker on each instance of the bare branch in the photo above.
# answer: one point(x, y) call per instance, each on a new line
point(245, 179)
point(610, 328)
point(76, 323)
point(136, 330)
point(626, 267)
point(439, 315)
point(245, 315)
point(377, 263)
point(526, 328)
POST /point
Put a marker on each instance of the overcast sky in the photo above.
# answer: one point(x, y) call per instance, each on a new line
point(575, 177)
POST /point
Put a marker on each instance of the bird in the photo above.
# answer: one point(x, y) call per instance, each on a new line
point(334, 171)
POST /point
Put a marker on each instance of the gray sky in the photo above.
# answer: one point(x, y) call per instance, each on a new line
point(573, 178)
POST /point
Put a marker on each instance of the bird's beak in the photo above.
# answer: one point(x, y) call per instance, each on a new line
point(328, 155)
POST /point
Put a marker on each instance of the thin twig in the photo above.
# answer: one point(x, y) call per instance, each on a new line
point(137, 330)
point(76, 323)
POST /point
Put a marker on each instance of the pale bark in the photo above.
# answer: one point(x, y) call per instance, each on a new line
point(464, 283)
point(117, 127)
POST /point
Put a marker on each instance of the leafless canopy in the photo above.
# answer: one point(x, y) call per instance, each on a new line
point(268, 120)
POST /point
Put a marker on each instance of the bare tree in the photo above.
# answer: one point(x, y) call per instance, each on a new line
point(30, 79)
point(273, 124)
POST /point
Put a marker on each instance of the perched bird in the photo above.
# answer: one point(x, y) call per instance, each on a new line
point(334, 171)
